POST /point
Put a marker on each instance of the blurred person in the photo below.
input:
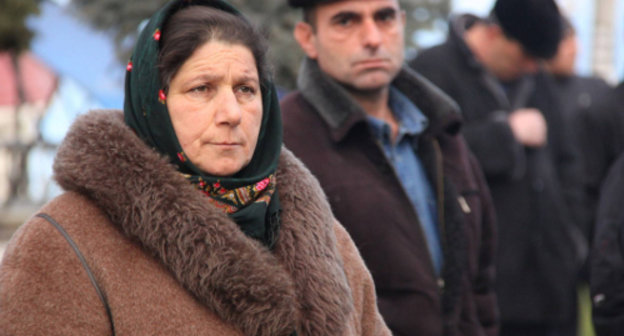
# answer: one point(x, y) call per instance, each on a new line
point(184, 213)
point(386, 148)
point(607, 256)
point(579, 96)
point(602, 140)
point(513, 123)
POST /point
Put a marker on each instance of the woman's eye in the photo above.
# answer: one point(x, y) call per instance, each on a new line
point(199, 89)
point(246, 89)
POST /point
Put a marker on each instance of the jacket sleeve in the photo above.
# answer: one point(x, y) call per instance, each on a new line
point(366, 317)
point(484, 282)
point(44, 289)
point(493, 143)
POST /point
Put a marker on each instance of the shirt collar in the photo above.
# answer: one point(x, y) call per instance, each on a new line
point(412, 122)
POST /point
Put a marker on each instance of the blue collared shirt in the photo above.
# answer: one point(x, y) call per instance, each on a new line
point(409, 168)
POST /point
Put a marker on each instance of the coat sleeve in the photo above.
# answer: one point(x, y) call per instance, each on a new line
point(366, 318)
point(44, 290)
point(493, 143)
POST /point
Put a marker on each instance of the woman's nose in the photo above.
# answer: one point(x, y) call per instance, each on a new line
point(228, 109)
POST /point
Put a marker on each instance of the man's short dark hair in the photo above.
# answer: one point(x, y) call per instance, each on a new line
point(309, 9)
point(307, 3)
point(536, 24)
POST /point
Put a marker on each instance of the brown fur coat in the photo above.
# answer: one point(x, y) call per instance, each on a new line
point(170, 263)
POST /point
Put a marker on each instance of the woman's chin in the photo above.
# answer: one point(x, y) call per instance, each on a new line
point(222, 169)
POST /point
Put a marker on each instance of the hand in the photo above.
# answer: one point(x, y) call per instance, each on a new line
point(529, 127)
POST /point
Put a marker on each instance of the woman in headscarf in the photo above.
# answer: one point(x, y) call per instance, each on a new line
point(185, 215)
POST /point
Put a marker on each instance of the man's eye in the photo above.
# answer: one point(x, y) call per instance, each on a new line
point(344, 21)
point(386, 16)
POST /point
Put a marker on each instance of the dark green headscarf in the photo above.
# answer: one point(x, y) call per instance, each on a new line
point(145, 111)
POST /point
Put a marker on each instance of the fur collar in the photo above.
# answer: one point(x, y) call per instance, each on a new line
point(300, 284)
point(341, 112)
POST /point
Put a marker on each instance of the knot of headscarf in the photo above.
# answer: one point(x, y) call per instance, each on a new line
point(249, 197)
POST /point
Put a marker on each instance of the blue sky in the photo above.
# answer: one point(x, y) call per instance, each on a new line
point(71, 48)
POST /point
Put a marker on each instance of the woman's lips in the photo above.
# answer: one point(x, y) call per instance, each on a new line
point(225, 144)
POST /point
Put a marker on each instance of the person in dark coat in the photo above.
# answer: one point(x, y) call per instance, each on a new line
point(579, 96)
point(602, 140)
point(489, 66)
point(386, 147)
point(607, 256)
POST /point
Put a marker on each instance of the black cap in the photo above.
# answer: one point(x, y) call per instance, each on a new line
point(536, 24)
point(307, 3)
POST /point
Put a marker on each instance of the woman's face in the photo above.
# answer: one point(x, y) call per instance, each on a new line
point(215, 106)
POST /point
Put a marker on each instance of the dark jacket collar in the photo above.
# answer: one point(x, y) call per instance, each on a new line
point(341, 112)
point(301, 283)
point(458, 25)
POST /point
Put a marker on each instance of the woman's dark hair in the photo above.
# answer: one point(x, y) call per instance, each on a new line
point(191, 27)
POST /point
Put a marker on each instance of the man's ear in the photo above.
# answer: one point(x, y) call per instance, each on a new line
point(403, 17)
point(305, 36)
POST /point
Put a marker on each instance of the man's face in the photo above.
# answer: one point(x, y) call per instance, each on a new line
point(510, 61)
point(359, 43)
point(563, 62)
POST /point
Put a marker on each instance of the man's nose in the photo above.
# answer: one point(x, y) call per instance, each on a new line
point(371, 34)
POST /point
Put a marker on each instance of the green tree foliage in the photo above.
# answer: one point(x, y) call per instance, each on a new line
point(14, 33)
point(274, 17)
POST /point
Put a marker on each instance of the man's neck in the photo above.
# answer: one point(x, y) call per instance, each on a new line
point(375, 104)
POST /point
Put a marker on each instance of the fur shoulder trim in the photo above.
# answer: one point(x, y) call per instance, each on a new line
point(300, 285)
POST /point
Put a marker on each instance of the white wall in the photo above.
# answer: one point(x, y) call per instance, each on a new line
point(619, 39)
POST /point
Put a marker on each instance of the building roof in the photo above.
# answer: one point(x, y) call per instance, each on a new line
point(38, 80)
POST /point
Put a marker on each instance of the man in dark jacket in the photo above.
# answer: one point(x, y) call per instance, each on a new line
point(607, 257)
point(580, 97)
point(385, 146)
point(602, 139)
point(489, 66)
